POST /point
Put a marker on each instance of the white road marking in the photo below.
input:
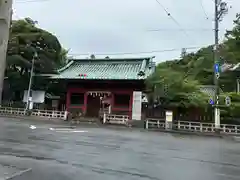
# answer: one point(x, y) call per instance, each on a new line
point(80, 131)
point(67, 130)
point(71, 131)
point(18, 174)
point(32, 127)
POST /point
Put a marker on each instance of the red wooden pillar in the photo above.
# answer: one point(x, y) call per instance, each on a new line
point(68, 99)
point(85, 102)
point(112, 100)
point(130, 105)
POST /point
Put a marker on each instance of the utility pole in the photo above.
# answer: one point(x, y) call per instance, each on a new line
point(29, 92)
point(220, 8)
point(184, 52)
point(5, 20)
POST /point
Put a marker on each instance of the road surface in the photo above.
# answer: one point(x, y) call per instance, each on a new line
point(43, 152)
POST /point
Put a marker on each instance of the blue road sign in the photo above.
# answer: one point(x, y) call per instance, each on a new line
point(216, 68)
point(211, 102)
point(228, 101)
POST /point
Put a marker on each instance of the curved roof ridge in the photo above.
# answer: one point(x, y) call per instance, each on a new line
point(66, 66)
point(114, 59)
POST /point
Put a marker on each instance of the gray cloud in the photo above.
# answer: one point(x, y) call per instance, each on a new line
point(90, 26)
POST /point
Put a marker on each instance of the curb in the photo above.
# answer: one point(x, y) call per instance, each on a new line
point(191, 133)
point(223, 136)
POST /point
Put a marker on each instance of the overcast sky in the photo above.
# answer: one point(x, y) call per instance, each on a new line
point(124, 26)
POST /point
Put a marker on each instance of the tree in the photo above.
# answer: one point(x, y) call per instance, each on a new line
point(26, 39)
point(199, 65)
point(231, 46)
point(175, 90)
point(176, 83)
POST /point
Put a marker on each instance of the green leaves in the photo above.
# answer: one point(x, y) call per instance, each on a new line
point(176, 89)
point(26, 39)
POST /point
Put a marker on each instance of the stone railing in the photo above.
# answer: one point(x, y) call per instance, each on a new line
point(35, 113)
point(193, 126)
point(115, 119)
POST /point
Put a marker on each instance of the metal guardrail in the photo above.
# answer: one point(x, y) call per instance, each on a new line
point(115, 119)
point(35, 112)
point(194, 126)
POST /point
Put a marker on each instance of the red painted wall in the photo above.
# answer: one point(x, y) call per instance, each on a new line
point(71, 90)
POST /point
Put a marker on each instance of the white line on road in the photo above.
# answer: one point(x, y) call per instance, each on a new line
point(80, 131)
point(32, 127)
point(70, 131)
point(18, 174)
point(67, 130)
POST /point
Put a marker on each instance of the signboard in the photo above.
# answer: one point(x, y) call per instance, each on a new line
point(216, 68)
point(37, 96)
point(211, 102)
point(228, 101)
point(55, 103)
point(169, 116)
point(144, 98)
point(137, 105)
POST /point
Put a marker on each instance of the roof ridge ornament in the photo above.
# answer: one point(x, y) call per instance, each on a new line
point(143, 67)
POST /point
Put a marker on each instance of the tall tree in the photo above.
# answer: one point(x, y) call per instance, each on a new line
point(26, 39)
point(175, 90)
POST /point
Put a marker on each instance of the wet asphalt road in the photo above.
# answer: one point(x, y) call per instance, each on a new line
point(107, 154)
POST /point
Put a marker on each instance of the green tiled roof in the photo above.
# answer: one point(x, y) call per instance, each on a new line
point(111, 69)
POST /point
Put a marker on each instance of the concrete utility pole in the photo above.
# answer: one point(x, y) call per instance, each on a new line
point(29, 94)
point(5, 20)
point(220, 10)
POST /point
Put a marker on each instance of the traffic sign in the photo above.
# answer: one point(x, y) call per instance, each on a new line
point(216, 68)
point(211, 102)
point(217, 75)
point(228, 101)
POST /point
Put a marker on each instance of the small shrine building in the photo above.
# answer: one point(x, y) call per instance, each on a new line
point(107, 85)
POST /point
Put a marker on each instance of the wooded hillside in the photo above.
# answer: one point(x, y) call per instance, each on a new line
point(178, 82)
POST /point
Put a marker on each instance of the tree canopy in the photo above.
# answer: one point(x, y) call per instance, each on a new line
point(184, 76)
point(25, 40)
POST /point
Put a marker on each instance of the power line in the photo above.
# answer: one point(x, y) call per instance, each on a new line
point(188, 30)
point(193, 29)
point(29, 1)
point(173, 19)
point(135, 53)
point(204, 11)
